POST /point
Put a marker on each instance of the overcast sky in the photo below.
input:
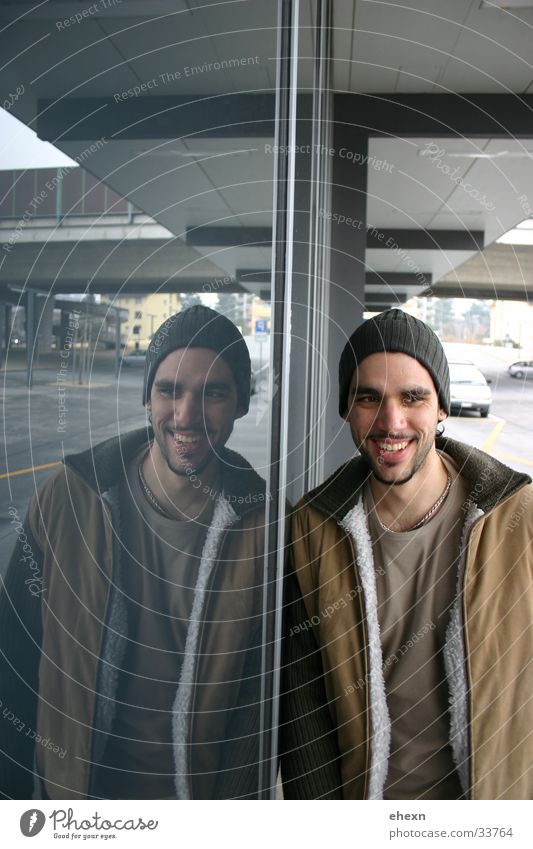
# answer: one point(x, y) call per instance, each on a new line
point(20, 147)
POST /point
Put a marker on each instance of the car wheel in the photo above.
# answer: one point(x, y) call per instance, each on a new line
point(484, 412)
point(518, 374)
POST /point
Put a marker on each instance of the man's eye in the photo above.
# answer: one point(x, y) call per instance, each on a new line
point(169, 393)
point(412, 399)
point(367, 399)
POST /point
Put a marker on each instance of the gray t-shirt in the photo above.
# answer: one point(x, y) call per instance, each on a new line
point(416, 575)
point(160, 561)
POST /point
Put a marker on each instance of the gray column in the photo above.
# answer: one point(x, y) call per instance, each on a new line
point(31, 341)
point(3, 332)
point(300, 343)
point(347, 285)
point(118, 349)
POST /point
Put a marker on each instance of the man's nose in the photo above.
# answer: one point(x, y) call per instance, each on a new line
point(188, 409)
point(391, 415)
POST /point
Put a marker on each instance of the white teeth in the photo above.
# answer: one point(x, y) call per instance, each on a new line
point(179, 437)
point(398, 446)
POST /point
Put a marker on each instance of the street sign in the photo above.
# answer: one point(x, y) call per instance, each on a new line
point(261, 326)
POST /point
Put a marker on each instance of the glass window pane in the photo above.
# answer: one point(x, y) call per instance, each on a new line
point(142, 457)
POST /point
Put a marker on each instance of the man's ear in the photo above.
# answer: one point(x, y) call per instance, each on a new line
point(442, 414)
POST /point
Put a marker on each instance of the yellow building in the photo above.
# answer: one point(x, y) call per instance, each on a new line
point(145, 314)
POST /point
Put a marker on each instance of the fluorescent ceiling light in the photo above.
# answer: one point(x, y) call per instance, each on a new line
point(506, 4)
point(522, 234)
point(425, 152)
point(197, 154)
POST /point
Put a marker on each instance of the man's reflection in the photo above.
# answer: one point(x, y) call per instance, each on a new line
point(141, 656)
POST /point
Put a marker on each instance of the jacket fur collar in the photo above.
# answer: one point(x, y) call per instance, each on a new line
point(490, 481)
point(103, 466)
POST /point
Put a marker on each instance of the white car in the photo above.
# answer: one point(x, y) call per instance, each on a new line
point(522, 369)
point(469, 389)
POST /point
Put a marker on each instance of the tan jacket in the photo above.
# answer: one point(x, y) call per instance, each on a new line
point(72, 632)
point(336, 736)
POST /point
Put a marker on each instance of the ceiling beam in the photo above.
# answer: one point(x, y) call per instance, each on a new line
point(438, 115)
point(127, 116)
point(208, 116)
point(481, 292)
point(372, 279)
point(426, 240)
point(385, 298)
point(132, 287)
point(228, 237)
point(449, 240)
point(395, 279)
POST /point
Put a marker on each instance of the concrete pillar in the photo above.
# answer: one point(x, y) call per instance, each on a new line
point(63, 327)
point(347, 284)
point(301, 349)
point(117, 341)
point(31, 342)
point(45, 323)
point(3, 332)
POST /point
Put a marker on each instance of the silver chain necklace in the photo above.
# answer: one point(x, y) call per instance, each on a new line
point(155, 503)
point(150, 495)
point(432, 510)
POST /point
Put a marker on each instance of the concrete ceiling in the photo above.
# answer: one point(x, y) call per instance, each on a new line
point(209, 51)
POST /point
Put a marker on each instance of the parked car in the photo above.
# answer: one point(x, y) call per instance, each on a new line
point(134, 358)
point(469, 389)
point(521, 369)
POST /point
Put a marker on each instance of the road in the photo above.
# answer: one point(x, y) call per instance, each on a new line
point(507, 433)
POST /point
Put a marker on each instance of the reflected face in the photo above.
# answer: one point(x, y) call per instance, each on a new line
point(393, 413)
point(193, 406)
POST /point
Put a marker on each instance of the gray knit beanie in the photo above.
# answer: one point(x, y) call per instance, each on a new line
point(201, 327)
point(395, 331)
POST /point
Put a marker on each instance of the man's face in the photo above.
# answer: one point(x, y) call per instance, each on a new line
point(193, 404)
point(393, 411)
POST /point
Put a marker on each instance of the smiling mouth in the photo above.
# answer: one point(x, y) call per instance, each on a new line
point(392, 447)
point(182, 439)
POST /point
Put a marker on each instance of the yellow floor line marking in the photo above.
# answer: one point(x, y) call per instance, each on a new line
point(493, 436)
point(516, 459)
point(31, 469)
point(81, 385)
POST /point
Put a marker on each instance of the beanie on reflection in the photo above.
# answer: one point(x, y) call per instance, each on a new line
point(201, 327)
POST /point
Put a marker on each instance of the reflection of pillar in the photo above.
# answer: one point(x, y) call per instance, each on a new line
point(7, 327)
point(347, 293)
point(117, 341)
point(63, 326)
point(3, 332)
point(31, 298)
point(45, 323)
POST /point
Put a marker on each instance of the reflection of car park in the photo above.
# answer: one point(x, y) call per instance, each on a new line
point(134, 358)
point(523, 368)
point(469, 389)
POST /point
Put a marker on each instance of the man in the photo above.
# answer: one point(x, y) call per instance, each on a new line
point(130, 622)
point(408, 645)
